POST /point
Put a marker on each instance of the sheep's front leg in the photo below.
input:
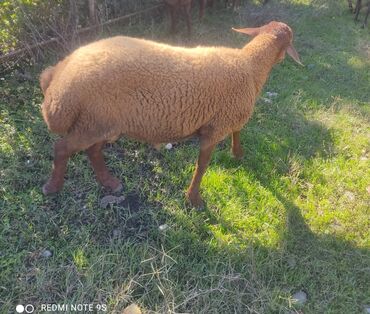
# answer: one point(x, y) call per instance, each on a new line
point(101, 171)
point(193, 194)
point(236, 146)
point(62, 152)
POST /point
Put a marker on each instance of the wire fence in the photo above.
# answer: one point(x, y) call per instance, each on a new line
point(26, 26)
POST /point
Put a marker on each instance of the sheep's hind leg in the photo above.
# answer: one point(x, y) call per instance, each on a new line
point(236, 147)
point(358, 9)
point(193, 194)
point(62, 151)
point(101, 171)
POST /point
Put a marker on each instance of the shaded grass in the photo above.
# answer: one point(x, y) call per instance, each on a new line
point(292, 215)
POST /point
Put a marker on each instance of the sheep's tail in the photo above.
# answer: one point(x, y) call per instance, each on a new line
point(59, 110)
point(46, 78)
point(60, 115)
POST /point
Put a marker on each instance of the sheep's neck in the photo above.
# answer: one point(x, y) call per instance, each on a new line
point(262, 52)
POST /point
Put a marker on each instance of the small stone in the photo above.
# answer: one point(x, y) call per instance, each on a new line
point(110, 199)
point(163, 227)
point(300, 297)
point(271, 94)
point(367, 309)
point(168, 146)
point(132, 309)
point(266, 100)
point(46, 253)
point(349, 195)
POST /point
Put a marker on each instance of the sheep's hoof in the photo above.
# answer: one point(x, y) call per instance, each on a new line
point(238, 155)
point(51, 188)
point(195, 200)
point(113, 184)
point(118, 189)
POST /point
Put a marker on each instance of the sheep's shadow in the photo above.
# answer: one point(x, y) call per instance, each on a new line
point(295, 264)
point(301, 253)
point(301, 261)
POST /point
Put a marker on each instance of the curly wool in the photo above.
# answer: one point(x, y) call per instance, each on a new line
point(154, 92)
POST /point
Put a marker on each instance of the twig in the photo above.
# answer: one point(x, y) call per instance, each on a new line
point(21, 52)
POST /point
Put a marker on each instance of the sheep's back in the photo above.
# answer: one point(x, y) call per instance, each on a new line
point(149, 91)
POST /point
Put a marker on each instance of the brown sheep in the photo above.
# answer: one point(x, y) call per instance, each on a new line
point(177, 5)
point(156, 93)
point(359, 6)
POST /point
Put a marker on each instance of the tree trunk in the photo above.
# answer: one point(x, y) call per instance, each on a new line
point(92, 12)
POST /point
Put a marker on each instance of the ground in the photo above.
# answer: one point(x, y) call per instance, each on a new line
point(291, 216)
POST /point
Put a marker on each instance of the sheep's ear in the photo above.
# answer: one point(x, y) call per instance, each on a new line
point(249, 31)
point(294, 54)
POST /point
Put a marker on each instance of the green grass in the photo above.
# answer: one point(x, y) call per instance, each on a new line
point(292, 215)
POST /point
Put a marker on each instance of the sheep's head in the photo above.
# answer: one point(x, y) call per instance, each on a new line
point(283, 33)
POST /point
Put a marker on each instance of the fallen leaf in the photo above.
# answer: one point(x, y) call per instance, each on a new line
point(132, 309)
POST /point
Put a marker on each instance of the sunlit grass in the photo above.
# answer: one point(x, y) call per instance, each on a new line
point(292, 215)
